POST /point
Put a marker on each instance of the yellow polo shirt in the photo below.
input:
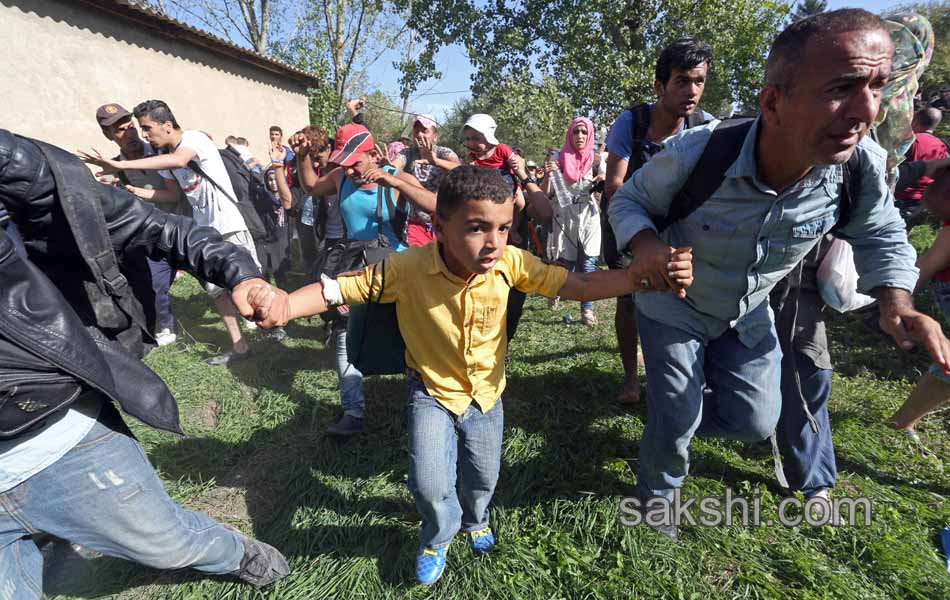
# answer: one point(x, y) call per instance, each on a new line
point(455, 329)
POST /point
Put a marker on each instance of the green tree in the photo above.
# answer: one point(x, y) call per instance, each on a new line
point(602, 53)
point(808, 8)
point(530, 116)
point(383, 117)
point(306, 51)
point(340, 41)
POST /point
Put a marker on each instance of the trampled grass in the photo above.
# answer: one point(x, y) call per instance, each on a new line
point(257, 458)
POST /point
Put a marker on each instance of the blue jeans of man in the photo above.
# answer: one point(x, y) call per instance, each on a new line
point(741, 399)
point(808, 457)
point(163, 275)
point(441, 445)
point(351, 380)
point(104, 495)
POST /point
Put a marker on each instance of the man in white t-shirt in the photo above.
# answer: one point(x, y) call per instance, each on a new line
point(196, 166)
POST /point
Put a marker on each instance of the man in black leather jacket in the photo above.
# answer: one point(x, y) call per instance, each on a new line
point(69, 467)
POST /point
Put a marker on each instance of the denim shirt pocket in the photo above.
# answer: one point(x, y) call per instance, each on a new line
point(804, 236)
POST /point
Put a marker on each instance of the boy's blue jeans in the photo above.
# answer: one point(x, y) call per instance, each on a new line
point(808, 457)
point(742, 401)
point(442, 444)
point(104, 495)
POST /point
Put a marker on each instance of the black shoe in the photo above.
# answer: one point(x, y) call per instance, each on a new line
point(347, 426)
point(228, 358)
point(666, 528)
point(262, 563)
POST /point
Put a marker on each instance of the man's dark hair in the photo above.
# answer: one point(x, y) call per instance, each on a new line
point(317, 138)
point(469, 182)
point(155, 110)
point(788, 50)
point(230, 140)
point(683, 54)
point(929, 118)
point(276, 128)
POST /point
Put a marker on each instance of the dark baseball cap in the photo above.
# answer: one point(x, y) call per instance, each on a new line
point(110, 114)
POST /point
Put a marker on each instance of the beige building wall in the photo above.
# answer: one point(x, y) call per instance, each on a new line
point(63, 59)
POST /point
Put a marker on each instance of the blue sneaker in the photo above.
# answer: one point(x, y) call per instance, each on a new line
point(429, 565)
point(482, 541)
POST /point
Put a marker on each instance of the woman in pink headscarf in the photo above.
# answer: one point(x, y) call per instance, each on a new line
point(575, 234)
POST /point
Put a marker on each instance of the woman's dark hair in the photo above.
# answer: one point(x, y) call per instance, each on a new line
point(155, 110)
point(683, 54)
point(469, 182)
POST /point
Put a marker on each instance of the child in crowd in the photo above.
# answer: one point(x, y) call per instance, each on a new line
point(933, 389)
point(451, 302)
point(484, 149)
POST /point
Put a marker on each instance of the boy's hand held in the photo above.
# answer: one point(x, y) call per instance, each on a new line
point(657, 267)
point(273, 310)
point(680, 270)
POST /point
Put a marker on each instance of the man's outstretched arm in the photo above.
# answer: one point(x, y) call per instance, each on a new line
point(910, 327)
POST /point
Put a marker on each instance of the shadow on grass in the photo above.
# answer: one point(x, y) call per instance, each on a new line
point(314, 496)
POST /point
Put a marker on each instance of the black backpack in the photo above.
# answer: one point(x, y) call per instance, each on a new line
point(244, 183)
point(641, 124)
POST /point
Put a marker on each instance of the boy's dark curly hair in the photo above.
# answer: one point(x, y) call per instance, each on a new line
point(470, 182)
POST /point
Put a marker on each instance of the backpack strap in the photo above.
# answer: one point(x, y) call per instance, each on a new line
point(380, 234)
point(695, 119)
point(721, 151)
point(398, 219)
point(194, 166)
point(850, 189)
point(639, 128)
point(339, 204)
point(80, 199)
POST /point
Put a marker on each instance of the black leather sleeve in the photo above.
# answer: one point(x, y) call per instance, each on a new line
point(28, 192)
point(199, 250)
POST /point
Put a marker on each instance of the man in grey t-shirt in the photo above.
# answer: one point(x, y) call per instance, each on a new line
point(428, 162)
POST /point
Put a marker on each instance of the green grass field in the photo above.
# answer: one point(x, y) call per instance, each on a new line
point(257, 459)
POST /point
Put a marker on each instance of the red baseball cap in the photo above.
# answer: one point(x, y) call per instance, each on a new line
point(351, 140)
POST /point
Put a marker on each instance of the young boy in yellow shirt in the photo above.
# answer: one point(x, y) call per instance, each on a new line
point(450, 300)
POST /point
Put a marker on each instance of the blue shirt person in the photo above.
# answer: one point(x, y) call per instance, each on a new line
point(620, 138)
point(713, 359)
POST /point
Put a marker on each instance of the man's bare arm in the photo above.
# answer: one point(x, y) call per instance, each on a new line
point(616, 170)
point(935, 198)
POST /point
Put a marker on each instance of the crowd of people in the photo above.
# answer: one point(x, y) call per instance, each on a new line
point(712, 233)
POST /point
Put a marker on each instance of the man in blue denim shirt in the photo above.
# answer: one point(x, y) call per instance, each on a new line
point(823, 81)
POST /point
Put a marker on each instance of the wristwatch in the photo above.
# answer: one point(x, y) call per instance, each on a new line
point(526, 180)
